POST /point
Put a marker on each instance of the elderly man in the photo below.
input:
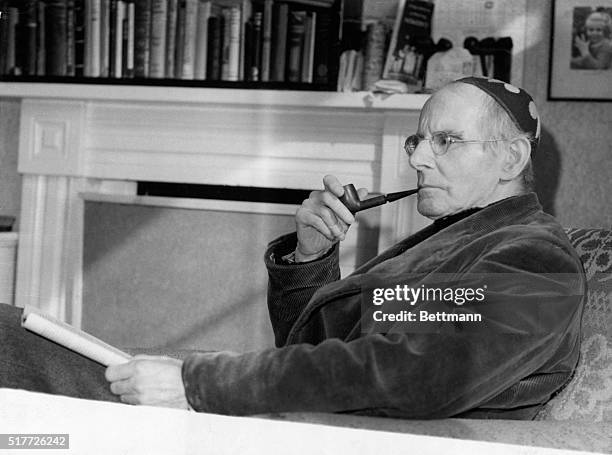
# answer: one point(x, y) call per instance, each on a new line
point(472, 156)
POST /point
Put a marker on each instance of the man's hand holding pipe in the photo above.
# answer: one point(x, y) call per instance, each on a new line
point(322, 220)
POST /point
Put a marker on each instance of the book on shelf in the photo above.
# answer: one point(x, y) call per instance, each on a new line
point(104, 38)
point(127, 49)
point(55, 38)
point(157, 59)
point(295, 44)
point(253, 49)
point(215, 37)
point(201, 48)
point(92, 38)
point(266, 41)
point(189, 21)
point(142, 38)
point(70, 46)
point(214, 40)
point(308, 46)
point(279, 47)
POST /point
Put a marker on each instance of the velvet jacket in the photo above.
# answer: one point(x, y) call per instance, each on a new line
point(506, 367)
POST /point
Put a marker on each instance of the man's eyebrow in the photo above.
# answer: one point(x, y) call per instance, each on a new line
point(450, 132)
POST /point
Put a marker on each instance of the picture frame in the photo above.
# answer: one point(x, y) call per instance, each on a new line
point(580, 51)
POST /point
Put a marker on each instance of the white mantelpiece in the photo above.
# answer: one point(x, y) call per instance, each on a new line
point(78, 141)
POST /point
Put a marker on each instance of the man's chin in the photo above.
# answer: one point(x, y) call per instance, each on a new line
point(428, 209)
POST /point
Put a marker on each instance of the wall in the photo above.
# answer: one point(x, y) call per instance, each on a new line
point(574, 165)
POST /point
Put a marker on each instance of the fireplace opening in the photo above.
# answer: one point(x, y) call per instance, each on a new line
point(223, 192)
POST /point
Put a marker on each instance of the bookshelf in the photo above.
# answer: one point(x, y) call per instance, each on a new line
point(288, 44)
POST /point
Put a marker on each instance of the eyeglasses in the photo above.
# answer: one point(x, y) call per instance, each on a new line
point(440, 142)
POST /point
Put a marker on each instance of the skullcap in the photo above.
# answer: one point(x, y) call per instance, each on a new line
point(516, 102)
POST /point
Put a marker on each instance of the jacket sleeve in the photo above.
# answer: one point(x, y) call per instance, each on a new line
point(414, 375)
point(291, 286)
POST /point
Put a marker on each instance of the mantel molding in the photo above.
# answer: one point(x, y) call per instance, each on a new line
point(74, 145)
point(197, 95)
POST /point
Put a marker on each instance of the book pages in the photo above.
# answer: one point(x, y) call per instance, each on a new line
point(64, 334)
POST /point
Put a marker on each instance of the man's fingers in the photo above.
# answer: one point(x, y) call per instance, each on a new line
point(336, 206)
point(333, 185)
point(363, 193)
point(119, 372)
point(130, 399)
point(121, 387)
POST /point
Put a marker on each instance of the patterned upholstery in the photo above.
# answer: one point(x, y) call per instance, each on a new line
point(588, 396)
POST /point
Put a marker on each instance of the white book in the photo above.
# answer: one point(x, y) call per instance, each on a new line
point(204, 10)
point(130, 17)
point(64, 334)
point(119, 17)
point(309, 46)
point(94, 23)
point(189, 44)
point(234, 44)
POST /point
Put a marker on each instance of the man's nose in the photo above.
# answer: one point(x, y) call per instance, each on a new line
point(423, 156)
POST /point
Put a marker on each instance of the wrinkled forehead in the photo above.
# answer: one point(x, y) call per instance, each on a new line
point(455, 107)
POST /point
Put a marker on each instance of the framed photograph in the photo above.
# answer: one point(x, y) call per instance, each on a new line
point(581, 50)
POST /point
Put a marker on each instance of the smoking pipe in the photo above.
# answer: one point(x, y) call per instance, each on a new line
point(350, 198)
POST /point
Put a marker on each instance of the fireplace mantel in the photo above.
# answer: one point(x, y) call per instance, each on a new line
point(78, 141)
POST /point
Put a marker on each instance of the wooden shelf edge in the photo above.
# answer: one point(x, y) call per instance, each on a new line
point(165, 94)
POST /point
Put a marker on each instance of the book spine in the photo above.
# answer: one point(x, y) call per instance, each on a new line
point(127, 47)
point(204, 10)
point(118, 43)
point(189, 39)
point(104, 37)
point(376, 38)
point(255, 72)
point(111, 38)
point(29, 33)
point(171, 37)
point(11, 58)
point(142, 38)
point(308, 52)
point(55, 38)
point(324, 49)
point(79, 37)
point(4, 30)
point(159, 19)
point(296, 45)
point(225, 12)
point(266, 45)
point(93, 34)
point(70, 47)
point(281, 18)
point(234, 44)
point(180, 39)
point(215, 44)
point(246, 11)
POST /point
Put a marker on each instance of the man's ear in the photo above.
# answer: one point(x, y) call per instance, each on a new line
point(516, 158)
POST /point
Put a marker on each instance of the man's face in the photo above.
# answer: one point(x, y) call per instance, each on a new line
point(468, 174)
